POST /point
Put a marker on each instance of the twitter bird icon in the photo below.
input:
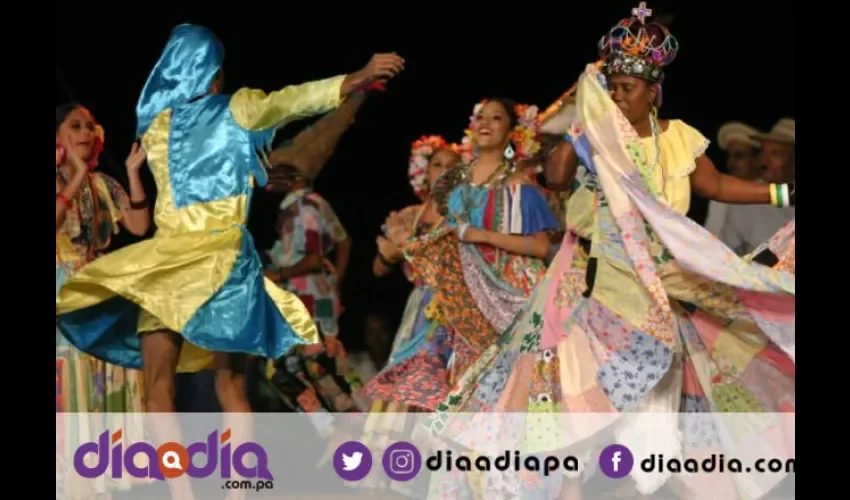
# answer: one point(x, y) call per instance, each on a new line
point(352, 461)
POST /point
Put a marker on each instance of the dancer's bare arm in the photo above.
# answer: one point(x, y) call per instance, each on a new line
point(560, 168)
point(534, 245)
point(708, 182)
point(387, 257)
point(136, 219)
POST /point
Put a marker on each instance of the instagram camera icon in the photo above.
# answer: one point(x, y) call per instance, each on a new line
point(402, 461)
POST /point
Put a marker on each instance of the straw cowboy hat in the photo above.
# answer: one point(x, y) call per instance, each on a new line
point(737, 131)
point(783, 131)
point(312, 147)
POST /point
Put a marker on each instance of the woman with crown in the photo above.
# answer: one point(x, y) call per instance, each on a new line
point(643, 310)
point(489, 254)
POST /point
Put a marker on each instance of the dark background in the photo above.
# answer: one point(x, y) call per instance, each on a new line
point(736, 62)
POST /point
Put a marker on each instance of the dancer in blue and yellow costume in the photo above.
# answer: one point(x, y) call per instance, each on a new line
point(195, 291)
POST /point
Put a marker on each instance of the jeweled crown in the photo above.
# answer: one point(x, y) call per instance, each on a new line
point(636, 48)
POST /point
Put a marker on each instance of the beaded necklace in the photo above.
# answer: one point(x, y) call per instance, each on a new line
point(647, 172)
point(498, 176)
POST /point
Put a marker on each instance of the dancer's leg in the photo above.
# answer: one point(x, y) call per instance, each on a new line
point(160, 353)
point(230, 383)
point(231, 390)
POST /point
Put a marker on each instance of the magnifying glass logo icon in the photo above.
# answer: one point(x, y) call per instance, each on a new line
point(171, 460)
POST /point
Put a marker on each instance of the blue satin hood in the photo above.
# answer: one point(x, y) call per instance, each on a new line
point(185, 70)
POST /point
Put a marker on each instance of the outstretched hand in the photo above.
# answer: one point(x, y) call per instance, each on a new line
point(383, 67)
point(380, 68)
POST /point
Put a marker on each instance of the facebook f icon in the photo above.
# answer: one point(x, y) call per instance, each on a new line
point(616, 461)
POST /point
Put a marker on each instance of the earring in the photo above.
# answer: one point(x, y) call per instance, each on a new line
point(509, 152)
point(655, 111)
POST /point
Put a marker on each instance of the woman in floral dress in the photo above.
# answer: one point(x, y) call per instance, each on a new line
point(489, 254)
point(415, 378)
point(90, 206)
point(415, 375)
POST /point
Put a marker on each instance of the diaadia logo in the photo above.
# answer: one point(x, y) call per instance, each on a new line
point(172, 460)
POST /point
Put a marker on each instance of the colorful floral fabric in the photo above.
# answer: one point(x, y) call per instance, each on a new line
point(480, 288)
point(86, 385)
point(642, 311)
point(416, 375)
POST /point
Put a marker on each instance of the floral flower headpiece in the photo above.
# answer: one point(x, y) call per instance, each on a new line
point(523, 137)
point(465, 149)
point(420, 155)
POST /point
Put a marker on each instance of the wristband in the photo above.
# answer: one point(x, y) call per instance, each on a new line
point(462, 232)
point(139, 205)
point(65, 201)
point(386, 262)
point(779, 195)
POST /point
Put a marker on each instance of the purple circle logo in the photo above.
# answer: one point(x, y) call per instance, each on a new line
point(616, 461)
point(352, 461)
point(402, 461)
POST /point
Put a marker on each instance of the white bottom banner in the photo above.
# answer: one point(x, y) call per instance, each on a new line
point(418, 455)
